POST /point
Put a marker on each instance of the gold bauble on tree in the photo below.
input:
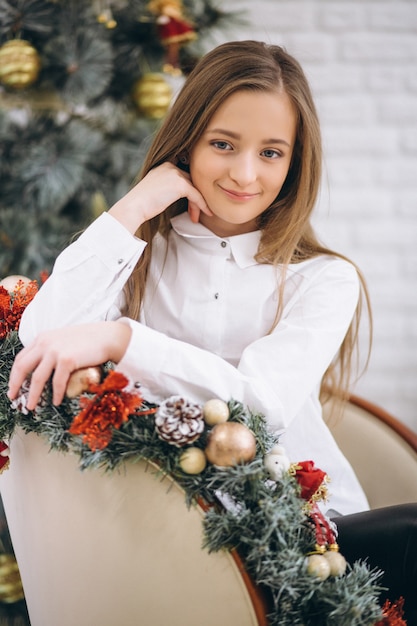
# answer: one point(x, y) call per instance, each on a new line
point(192, 460)
point(215, 411)
point(230, 443)
point(20, 64)
point(336, 561)
point(318, 566)
point(152, 95)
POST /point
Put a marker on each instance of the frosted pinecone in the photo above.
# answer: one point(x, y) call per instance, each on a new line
point(19, 403)
point(179, 422)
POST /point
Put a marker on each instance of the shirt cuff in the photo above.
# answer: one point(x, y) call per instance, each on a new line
point(149, 348)
point(111, 242)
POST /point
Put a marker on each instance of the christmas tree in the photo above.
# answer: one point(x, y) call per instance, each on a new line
point(83, 86)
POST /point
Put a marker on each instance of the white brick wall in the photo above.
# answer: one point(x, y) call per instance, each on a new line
point(361, 59)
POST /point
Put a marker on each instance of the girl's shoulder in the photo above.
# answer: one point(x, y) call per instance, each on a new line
point(325, 267)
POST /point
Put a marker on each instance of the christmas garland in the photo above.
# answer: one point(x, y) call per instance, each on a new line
point(221, 454)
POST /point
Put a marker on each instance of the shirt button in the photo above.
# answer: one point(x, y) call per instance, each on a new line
point(120, 261)
point(223, 244)
point(216, 296)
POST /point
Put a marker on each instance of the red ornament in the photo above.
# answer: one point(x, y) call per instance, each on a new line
point(109, 409)
point(312, 482)
point(4, 459)
point(174, 29)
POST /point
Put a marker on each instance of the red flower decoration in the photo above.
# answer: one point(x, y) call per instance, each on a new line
point(393, 614)
point(312, 482)
point(12, 305)
point(106, 411)
point(310, 479)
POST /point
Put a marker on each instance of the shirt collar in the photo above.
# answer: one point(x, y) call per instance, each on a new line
point(243, 247)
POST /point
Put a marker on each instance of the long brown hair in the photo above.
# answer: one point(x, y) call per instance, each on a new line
point(286, 232)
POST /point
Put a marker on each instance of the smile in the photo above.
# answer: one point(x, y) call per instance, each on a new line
point(236, 195)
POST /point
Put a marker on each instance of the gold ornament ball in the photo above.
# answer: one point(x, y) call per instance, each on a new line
point(336, 561)
point(230, 443)
point(20, 64)
point(10, 282)
point(318, 566)
point(215, 411)
point(11, 589)
point(81, 379)
point(152, 95)
point(193, 461)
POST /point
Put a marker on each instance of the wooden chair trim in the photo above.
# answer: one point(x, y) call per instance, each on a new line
point(256, 595)
point(259, 603)
point(399, 427)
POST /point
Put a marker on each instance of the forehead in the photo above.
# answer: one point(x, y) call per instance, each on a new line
point(259, 111)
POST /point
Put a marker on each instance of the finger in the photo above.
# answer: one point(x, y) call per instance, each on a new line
point(194, 212)
point(39, 378)
point(206, 210)
point(24, 364)
point(60, 383)
point(197, 204)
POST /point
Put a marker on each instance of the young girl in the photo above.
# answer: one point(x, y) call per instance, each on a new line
point(207, 280)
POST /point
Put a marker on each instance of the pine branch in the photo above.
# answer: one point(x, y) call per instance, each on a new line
point(29, 244)
point(80, 62)
point(27, 17)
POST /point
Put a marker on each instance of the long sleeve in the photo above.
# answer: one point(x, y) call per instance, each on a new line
point(87, 280)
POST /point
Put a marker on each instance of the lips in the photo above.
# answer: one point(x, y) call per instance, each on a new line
point(238, 195)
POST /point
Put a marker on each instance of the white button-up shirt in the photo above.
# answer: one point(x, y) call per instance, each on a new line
point(204, 327)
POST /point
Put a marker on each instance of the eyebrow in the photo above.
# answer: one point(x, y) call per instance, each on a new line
point(230, 133)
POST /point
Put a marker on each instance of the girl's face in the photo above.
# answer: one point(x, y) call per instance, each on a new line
point(241, 161)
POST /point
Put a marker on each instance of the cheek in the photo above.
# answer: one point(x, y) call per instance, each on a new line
point(201, 173)
point(275, 187)
point(194, 168)
point(279, 180)
point(196, 178)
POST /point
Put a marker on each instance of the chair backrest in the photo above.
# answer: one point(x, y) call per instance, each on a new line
point(381, 449)
point(120, 547)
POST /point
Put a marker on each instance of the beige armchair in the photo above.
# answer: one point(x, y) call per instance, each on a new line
point(96, 533)
point(381, 449)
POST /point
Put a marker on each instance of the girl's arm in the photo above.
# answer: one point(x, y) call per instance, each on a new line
point(87, 281)
point(88, 278)
point(71, 322)
point(154, 193)
point(86, 288)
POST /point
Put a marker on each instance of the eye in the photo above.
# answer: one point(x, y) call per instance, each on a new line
point(222, 145)
point(269, 153)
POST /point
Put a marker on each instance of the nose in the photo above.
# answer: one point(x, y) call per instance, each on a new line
point(243, 169)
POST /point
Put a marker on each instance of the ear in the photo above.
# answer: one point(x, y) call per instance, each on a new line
point(183, 162)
